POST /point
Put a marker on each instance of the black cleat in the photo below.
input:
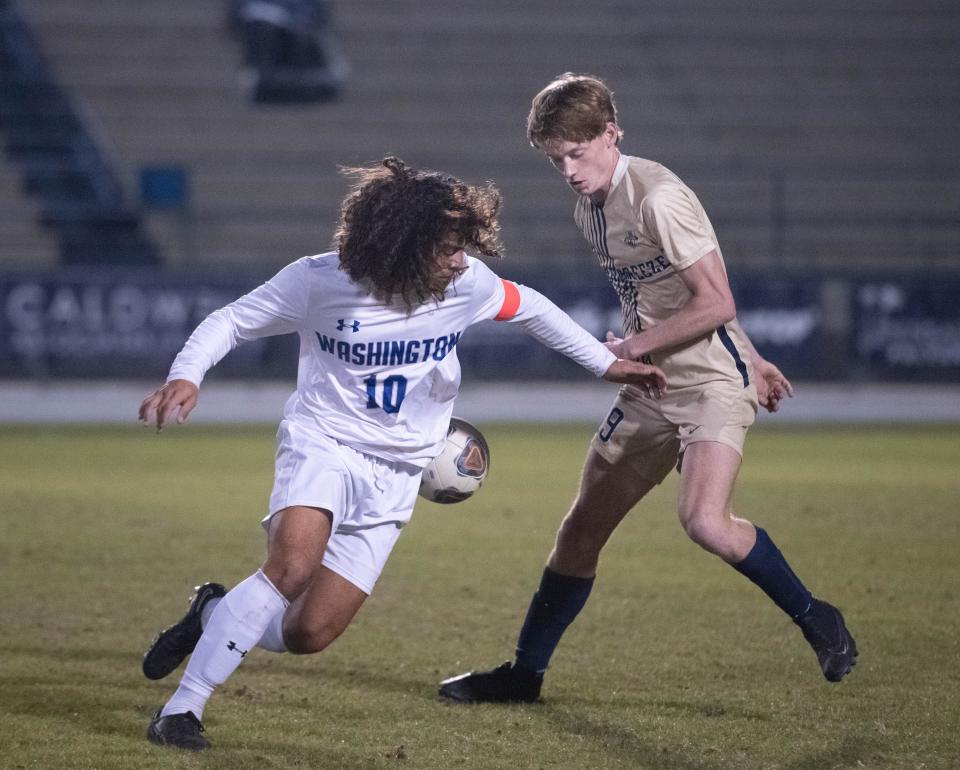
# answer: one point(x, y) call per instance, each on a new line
point(504, 684)
point(180, 730)
point(171, 646)
point(824, 629)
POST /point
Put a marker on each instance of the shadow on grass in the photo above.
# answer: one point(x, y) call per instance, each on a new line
point(692, 708)
point(119, 708)
point(853, 751)
point(376, 680)
point(622, 741)
point(62, 657)
point(107, 708)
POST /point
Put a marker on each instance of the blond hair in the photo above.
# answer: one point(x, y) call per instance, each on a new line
point(572, 108)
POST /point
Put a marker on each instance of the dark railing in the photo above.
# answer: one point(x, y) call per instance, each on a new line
point(62, 163)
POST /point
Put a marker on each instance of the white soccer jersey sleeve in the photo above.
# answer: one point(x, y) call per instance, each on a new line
point(278, 306)
point(550, 326)
point(378, 378)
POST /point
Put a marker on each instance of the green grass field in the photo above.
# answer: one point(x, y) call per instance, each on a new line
point(677, 662)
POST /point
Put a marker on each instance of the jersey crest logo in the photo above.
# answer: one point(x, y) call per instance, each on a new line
point(354, 325)
point(631, 239)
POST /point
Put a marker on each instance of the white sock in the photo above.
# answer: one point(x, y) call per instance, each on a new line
point(208, 609)
point(234, 628)
point(272, 639)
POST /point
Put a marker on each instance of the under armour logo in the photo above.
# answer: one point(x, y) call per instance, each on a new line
point(232, 646)
point(354, 325)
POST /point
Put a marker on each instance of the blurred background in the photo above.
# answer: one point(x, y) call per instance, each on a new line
point(162, 158)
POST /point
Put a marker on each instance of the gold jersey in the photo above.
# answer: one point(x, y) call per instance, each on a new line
point(650, 227)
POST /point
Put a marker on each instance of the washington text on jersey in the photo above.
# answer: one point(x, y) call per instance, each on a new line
point(389, 352)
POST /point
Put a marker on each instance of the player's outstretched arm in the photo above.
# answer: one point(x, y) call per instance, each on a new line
point(275, 307)
point(644, 376)
point(176, 399)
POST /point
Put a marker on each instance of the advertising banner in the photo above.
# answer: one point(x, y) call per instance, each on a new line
point(908, 329)
point(130, 324)
point(109, 323)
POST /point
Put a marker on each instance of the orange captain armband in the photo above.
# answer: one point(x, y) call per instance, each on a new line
point(511, 301)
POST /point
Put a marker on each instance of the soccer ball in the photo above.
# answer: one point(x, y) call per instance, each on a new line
point(460, 468)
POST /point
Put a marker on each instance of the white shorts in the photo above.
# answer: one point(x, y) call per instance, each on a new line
point(371, 499)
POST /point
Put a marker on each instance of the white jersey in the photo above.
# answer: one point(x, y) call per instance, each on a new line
point(373, 376)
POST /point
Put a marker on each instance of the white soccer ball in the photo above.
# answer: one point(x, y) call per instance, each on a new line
point(460, 468)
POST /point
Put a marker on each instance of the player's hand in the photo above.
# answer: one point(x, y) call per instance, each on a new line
point(630, 346)
point(614, 344)
point(772, 386)
point(646, 377)
point(176, 399)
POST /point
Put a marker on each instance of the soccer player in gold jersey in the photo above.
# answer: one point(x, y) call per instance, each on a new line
point(658, 248)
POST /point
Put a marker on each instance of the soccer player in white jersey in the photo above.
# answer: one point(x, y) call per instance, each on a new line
point(379, 321)
point(653, 239)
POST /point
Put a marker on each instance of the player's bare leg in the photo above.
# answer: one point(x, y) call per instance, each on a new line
point(321, 613)
point(322, 603)
point(608, 491)
point(296, 541)
point(709, 472)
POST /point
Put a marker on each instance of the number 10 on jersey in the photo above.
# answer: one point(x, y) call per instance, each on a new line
point(392, 391)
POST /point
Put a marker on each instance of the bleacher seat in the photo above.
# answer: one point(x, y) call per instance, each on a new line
point(785, 119)
point(62, 165)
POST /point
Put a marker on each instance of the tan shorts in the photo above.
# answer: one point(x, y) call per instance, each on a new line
point(652, 435)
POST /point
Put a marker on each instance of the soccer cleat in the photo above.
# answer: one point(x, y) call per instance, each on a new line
point(824, 629)
point(180, 730)
point(504, 684)
point(172, 645)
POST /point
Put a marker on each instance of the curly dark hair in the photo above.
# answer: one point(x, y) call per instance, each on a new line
point(397, 223)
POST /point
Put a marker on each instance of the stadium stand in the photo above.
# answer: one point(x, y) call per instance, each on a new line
point(290, 53)
point(820, 135)
point(24, 243)
point(61, 162)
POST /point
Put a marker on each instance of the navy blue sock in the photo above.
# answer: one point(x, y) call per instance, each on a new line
point(766, 567)
point(553, 607)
